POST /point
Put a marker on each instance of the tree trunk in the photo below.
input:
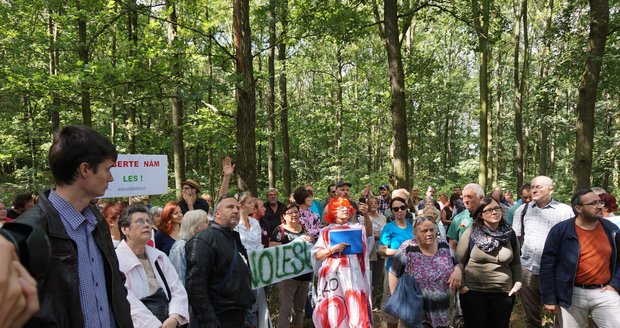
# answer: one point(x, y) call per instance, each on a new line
point(599, 18)
point(286, 157)
point(616, 162)
point(87, 119)
point(481, 11)
point(245, 95)
point(609, 120)
point(271, 97)
point(518, 101)
point(176, 101)
point(54, 107)
point(339, 110)
point(113, 109)
point(132, 38)
point(399, 152)
point(209, 59)
point(497, 135)
point(545, 102)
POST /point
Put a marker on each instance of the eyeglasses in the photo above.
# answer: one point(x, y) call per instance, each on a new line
point(492, 210)
point(399, 208)
point(595, 203)
point(421, 219)
point(142, 222)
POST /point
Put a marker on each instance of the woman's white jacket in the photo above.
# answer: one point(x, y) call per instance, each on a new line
point(137, 285)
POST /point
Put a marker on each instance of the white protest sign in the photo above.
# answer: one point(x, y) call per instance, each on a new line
point(274, 264)
point(136, 175)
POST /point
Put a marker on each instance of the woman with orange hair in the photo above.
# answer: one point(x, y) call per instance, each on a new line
point(342, 249)
point(169, 227)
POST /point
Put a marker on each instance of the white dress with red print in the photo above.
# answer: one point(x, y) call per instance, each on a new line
point(343, 287)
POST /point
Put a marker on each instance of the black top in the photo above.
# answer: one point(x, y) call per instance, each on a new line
point(209, 256)
point(199, 204)
point(285, 236)
point(11, 214)
point(272, 219)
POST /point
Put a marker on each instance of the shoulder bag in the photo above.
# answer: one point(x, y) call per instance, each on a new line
point(158, 302)
point(407, 301)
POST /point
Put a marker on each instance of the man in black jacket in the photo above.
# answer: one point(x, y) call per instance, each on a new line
point(83, 286)
point(218, 277)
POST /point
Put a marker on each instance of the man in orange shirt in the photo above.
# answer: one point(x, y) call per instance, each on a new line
point(580, 266)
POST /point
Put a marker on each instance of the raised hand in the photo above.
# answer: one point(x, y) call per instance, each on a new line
point(227, 167)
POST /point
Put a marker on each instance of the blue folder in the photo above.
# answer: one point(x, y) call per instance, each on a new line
point(353, 237)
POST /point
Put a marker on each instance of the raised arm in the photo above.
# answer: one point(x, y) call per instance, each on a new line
point(227, 170)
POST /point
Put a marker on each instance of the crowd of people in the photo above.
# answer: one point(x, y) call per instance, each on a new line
point(130, 264)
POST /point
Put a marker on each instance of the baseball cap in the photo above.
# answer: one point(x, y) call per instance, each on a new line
point(342, 183)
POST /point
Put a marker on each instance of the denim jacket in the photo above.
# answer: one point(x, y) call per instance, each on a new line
point(558, 265)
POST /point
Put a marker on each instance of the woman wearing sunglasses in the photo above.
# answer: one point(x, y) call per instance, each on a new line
point(489, 254)
point(434, 268)
point(394, 234)
point(343, 286)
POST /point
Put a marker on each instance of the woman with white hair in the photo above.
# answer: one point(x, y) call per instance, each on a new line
point(155, 214)
point(150, 277)
point(193, 222)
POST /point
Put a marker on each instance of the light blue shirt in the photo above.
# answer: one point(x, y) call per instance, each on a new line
point(178, 259)
point(91, 272)
point(392, 236)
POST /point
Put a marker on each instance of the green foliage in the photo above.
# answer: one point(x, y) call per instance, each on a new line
point(332, 47)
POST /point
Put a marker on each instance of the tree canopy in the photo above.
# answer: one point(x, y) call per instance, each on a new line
point(123, 65)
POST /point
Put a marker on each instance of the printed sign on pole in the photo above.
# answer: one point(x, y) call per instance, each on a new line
point(136, 175)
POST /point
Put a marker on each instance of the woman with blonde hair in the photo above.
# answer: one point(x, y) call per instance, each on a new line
point(193, 222)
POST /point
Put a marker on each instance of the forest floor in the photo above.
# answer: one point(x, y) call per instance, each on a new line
point(517, 320)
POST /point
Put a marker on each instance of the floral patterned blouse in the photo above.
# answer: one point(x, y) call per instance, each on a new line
point(432, 274)
point(311, 223)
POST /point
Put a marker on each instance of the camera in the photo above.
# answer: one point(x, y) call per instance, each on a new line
point(31, 245)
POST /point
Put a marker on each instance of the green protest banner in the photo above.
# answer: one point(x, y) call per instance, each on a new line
point(274, 264)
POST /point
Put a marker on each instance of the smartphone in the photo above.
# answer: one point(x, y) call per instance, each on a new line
point(362, 200)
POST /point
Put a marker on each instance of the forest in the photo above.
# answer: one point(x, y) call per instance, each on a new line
point(410, 92)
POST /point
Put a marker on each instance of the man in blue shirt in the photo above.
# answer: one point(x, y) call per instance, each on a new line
point(83, 286)
point(525, 196)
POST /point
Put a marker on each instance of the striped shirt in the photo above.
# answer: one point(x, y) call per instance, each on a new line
point(91, 273)
point(536, 225)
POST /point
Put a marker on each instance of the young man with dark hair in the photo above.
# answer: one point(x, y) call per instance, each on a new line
point(331, 193)
point(580, 266)
point(384, 198)
point(525, 196)
point(190, 200)
point(21, 204)
point(83, 286)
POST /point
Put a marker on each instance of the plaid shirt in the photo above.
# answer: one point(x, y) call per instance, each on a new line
point(384, 205)
point(90, 267)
